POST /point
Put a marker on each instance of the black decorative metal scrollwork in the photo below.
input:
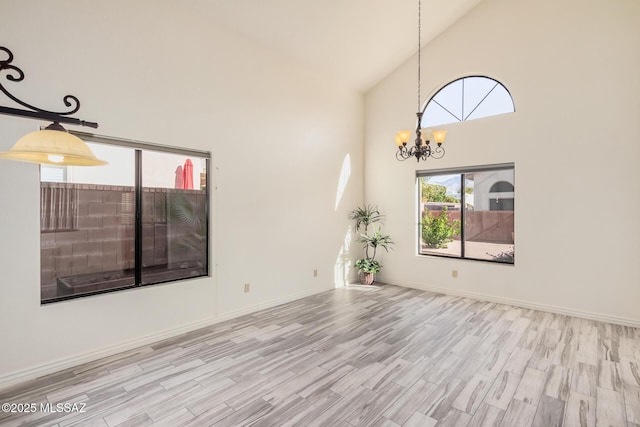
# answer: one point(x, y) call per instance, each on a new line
point(420, 152)
point(15, 74)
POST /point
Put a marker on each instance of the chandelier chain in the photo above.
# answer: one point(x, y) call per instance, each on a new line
point(419, 48)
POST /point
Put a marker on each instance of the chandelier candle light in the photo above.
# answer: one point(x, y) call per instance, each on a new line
point(422, 148)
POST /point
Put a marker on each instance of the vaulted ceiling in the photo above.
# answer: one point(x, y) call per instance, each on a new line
point(357, 42)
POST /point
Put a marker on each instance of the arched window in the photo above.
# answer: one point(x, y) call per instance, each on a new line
point(501, 187)
point(467, 98)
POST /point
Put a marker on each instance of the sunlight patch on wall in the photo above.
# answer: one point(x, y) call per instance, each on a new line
point(342, 268)
point(345, 174)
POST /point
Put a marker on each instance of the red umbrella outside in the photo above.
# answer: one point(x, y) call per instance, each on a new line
point(188, 175)
point(179, 177)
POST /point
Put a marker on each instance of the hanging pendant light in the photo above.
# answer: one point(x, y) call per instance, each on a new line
point(422, 149)
point(55, 146)
point(52, 145)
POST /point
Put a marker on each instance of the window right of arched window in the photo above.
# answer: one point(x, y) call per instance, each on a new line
point(467, 98)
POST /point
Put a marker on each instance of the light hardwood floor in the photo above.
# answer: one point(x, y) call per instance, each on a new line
point(381, 356)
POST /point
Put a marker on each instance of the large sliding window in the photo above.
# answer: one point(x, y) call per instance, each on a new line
point(468, 213)
point(140, 220)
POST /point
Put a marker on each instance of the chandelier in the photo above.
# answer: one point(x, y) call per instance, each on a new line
point(422, 149)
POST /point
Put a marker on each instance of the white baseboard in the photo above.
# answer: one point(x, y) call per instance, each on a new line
point(607, 318)
point(23, 375)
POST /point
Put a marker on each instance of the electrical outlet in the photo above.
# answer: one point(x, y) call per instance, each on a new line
point(315, 273)
point(247, 287)
point(454, 273)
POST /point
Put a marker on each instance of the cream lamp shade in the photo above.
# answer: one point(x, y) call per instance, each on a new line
point(404, 136)
point(439, 136)
point(54, 146)
point(426, 135)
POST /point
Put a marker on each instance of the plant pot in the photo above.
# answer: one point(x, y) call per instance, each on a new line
point(366, 278)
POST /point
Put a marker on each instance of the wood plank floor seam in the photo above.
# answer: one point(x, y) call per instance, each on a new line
point(377, 356)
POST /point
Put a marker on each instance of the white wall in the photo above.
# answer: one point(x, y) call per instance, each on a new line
point(572, 68)
point(153, 71)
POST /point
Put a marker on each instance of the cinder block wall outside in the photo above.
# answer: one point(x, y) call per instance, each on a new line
point(103, 234)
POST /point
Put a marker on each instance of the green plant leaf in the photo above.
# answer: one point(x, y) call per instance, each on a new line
point(368, 266)
point(438, 230)
point(364, 216)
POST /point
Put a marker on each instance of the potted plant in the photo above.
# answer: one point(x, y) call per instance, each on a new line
point(371, 238)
